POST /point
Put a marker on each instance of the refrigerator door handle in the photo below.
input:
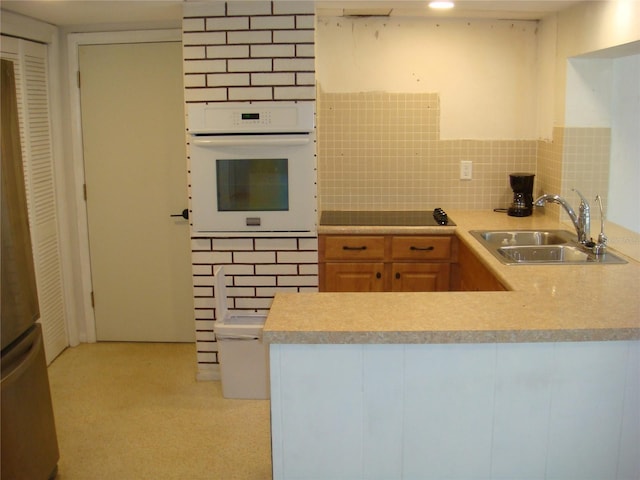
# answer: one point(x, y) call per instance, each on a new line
point(18, 360)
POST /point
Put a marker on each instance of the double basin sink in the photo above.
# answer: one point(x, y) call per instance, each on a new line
point(539, 247)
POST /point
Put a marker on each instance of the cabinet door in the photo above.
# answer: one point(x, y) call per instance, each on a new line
point(420, 277)
point(474, 276)
point(354, 277)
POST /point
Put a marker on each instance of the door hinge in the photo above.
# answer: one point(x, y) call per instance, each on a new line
point(93, 300)
point(84, 191)
point(78, 78)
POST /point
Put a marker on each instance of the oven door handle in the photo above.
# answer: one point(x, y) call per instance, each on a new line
point(250, 141)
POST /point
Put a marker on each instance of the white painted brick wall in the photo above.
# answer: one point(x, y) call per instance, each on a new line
point(256, 269)
point(273, 23)
point(222, 39)
point(273, 79)
point(248, 51)
point(249, 8)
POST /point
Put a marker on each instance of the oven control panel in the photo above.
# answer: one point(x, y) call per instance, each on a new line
point(252, 117)
point(234, 118)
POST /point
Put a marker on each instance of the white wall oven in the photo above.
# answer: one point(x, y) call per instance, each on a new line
point(253, 168)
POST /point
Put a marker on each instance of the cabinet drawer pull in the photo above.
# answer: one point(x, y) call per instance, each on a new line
point(347, 247)
point(422, 249)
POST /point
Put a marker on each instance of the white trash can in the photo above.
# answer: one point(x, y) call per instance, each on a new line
point(244, 358)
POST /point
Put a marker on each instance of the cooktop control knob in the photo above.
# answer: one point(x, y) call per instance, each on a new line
point(440, 216)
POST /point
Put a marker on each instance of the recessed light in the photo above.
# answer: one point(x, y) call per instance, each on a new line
point(441, 5)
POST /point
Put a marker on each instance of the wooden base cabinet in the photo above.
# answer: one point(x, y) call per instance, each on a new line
point(471, 275)
point(384, 263)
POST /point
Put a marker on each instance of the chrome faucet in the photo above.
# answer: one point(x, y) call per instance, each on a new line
point(581, 221)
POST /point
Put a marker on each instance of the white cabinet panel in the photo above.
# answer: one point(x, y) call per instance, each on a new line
point(565, 411)
point(586, 410)
point(521, 410)
point(629, 458)
point(383, 411)
point(323, 405)
point(448, 410)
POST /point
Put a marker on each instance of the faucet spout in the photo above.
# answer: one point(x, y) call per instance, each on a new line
point(580, 221)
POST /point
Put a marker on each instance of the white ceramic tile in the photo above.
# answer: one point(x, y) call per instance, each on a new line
point(249, 65)
point(205, 66)
point(228, 51)
point(301, 7)
point(249, 37)
point(286, 269)
point(293, 93)
point(297, 257)
point(305, 21)
point(293, 36)
point(272, 22)
point(227, 80)
point(383, 398)
point(224, 24)
point(192, 24)
point(448, 411)
point(249, 8)
point(321, 391)
point(586, 410)
point(521, 410)
point(271, 50)
point(203, 38)
point(250, 93)
point(254, 257)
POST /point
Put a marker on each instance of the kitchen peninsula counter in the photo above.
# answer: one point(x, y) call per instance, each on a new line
point(544, 302)
point(541, 381)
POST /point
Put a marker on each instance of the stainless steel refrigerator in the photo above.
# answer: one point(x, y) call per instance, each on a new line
point(29, 445)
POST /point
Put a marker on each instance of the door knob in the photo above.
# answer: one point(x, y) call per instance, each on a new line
point(184, 214)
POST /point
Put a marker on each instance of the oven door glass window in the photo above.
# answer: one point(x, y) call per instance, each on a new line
point(248, 185)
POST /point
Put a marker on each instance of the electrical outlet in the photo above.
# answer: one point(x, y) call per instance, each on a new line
point(465, 170)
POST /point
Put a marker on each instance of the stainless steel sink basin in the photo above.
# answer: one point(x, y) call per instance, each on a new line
point(539, 247)
point(544, 254)
point(527, 237)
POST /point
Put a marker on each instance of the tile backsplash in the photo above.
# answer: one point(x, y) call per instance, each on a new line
point(379, 150)
point(575, 158)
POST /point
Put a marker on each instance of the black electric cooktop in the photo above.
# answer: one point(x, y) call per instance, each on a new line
point(401, 218)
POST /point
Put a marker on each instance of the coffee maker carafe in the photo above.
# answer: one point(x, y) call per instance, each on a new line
point(522, 186)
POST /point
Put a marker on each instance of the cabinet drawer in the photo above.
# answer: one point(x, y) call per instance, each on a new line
point(353, 247)
point(421, 248)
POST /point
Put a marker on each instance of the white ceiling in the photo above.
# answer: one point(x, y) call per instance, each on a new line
point(168, 13)
point(68, 13)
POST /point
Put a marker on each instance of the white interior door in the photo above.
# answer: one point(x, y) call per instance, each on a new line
point(136, 176)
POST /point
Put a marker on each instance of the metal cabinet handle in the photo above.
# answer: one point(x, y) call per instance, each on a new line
point(378, 275)
point(347, 247)
point(397, 275)
point(184, 214)
point(422, 249)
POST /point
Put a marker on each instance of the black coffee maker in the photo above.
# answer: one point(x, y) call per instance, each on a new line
point(522, 186)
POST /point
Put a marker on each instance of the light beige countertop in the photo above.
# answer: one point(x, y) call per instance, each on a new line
point(545, 303)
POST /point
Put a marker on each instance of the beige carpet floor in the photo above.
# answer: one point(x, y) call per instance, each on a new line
point(132, 411)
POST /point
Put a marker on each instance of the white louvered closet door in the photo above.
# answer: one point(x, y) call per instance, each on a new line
point(30, 65)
